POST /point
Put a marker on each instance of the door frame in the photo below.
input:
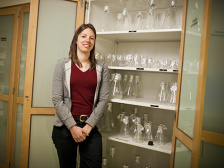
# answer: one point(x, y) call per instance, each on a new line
point(28, 110)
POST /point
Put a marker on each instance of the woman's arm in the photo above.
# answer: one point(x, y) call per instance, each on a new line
point(58, 95)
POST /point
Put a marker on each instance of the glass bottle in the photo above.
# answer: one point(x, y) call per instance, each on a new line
point(136, 87)
point(106, 23)
point(116, 87)
point(130, 87)
point(110, 125)
point(136, 161)
point(159, 138)
point(170, 20)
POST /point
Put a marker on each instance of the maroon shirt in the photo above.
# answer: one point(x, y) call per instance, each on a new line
point(83, 86)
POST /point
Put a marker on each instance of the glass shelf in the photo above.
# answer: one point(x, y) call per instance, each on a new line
point(144, 69)
point(145, 103)
point(142, 35)
point(166, 148)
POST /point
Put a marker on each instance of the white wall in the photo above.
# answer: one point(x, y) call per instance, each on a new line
point(6, 3)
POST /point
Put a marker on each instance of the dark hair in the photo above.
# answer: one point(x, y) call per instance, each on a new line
point(73, 47)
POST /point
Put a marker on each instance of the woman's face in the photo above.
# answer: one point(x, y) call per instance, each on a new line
point(86, 41)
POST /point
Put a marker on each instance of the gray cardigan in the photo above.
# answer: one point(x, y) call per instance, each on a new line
point(61, 95)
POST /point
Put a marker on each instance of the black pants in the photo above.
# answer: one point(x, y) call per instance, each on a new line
point(90, 150)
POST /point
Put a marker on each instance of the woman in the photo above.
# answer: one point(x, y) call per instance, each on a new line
point(80, 95)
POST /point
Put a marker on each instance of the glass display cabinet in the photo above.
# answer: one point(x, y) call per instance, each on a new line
point(141, 49)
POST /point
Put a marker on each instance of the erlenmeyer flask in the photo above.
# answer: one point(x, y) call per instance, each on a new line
point(126, 20)
point(111, 157)
point(162, 95)
point(139, 20)
point(148, 131)
point(116, 90)
point(145, 118)
point(136, 161)
point(170, 20)
point(120, 118)
point(111, 85)
point(130, 87)
point(150, 17)
point(159, 138)
point(138, 136)
point(104, 163)
point(124, 83)
point(136, 87)
point(110, 125)
point(137, 60)
point(106, 23)
point(133, 121)
point(125, 127)
point(172, 95)
point(119, 21)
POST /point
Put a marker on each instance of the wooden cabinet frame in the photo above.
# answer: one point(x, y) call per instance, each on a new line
point(28, 110)
point(198, 134)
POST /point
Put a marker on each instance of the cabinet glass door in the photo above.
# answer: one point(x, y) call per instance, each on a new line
point(212, 125)
point(190, 67)
point(13, 42)
point(6, 39)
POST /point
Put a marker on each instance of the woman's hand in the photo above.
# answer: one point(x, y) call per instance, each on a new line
point(77, 133)
point(87, 129)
